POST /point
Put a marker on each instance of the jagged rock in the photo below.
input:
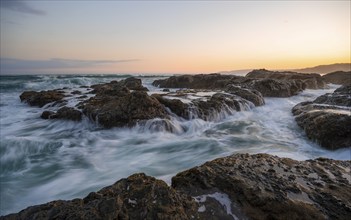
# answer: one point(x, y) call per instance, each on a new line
point(267, 87)
point(175, 105)
point(311, 81)
point(66, 113)
point(251, 95)
point(114, 87)
point(125, 109)
point(137, 197)
point(41, 98)
point(200, 81)
point(275, 87)
point(327, 119)
point(339, 77)
point(268, 187)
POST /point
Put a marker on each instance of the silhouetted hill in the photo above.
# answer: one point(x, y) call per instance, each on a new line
point(323, 69)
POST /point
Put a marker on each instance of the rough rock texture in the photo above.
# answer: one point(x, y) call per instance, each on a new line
point(327, 119)
point(123, 108)
point(251, 95)
point(245, 186)
point(311, 81)
point(41, 98)
point(110, 88)
point(267, 87)
point(339, 77)
point(175, 105)
point(268, 187)
point(275, 87)
point(200, 81)
point(67, 113)
point(137, 197)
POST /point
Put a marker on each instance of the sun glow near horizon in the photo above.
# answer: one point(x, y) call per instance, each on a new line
point(177, 37)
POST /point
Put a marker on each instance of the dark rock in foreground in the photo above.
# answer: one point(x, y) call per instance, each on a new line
point(311, 81)
point(244, 186)
point(339, 77)
point(137, 197)
point(268, 187)
point(327, 119)
point(41, 98)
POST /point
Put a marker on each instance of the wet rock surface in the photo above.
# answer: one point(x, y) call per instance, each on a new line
point(123, 108)
point(284, 87)
point(339, 77)
point(268, 187)
point(41, 98)
point(251, 95)
point(240, 186)
point(110, 88)
point(310, 81)
point(136, 197)
point(66, 113)
point(327, 119)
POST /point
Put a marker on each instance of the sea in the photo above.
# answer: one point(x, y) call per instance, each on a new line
point(44, 160)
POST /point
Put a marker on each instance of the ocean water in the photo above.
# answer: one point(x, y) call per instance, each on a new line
point(44, 160)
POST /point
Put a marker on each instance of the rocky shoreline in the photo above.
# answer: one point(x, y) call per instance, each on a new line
point(240, 186)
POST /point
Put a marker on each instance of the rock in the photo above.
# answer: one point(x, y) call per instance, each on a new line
point(200, 81)
point(339, 77)
point(311, 81)
point(76, 92)
point(136, 197)
point(41, 98)
point(267, 87)
point(275, 87)
point(262, 186)
point(66, 113)
point(115, 87)
point(165, 90)
point(251, 95)
point(125, 109)
point(327, 119)
point(175, 105)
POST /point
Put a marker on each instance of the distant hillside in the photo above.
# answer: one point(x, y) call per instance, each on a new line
point(323, 69)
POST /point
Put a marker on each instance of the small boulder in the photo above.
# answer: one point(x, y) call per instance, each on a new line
point(41, 98)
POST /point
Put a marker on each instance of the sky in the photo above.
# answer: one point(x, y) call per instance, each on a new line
point(47, 36)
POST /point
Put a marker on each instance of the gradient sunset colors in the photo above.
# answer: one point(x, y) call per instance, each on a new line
point(171, 37)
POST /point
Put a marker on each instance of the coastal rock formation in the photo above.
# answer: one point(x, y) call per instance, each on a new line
point(131, 83)
point(199, 81)
point(240, 186)
point(122, 108)
point(251, 95)
point(136, 197)
point(268, 187)
point(267, 87)
point(327, 119)
point(67, 113)
point(339, 77)
point(41, 98)
point(311, 81)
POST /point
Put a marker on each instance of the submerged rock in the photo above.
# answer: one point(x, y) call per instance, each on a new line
point(339, 77)
point(41, 98)
point(327, 119)
point(311, 81)
point(136, 197)
point(268, 187)
point(240, 186)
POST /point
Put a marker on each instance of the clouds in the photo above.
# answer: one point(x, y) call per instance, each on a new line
point(9, 65)
point(20, 6)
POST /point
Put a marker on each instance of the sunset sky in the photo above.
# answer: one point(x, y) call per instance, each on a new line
point(171, 37)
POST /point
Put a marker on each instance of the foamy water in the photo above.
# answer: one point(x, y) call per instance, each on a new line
point(43, 160)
